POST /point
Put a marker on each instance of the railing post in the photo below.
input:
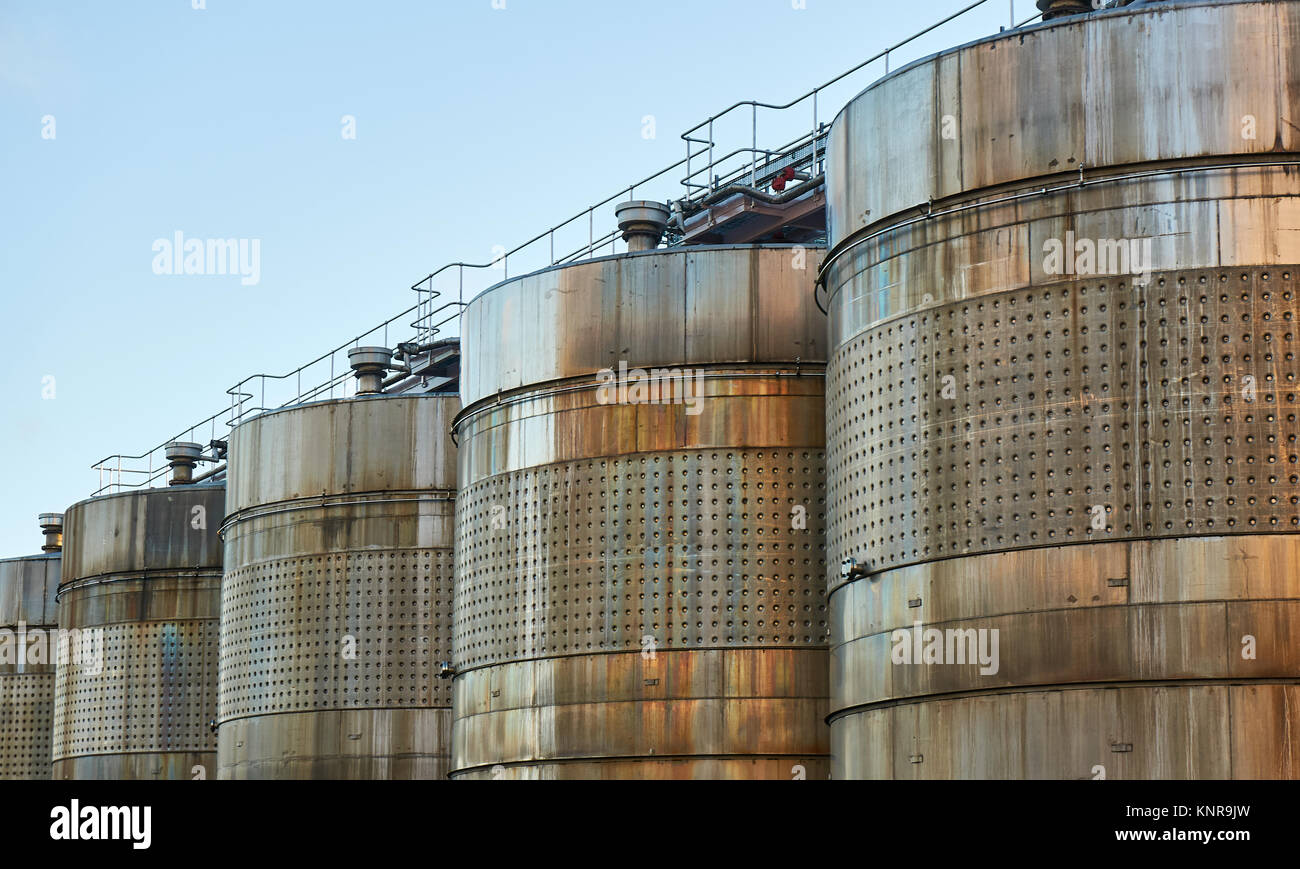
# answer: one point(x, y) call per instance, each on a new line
point(688, 165)
point(753, 153)
point(814, 134)
point(710, 170)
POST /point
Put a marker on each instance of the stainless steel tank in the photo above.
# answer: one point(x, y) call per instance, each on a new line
point(1062, 435)
point(28, 652)
point(141, 586)
point(336, 607)
point(640, 586)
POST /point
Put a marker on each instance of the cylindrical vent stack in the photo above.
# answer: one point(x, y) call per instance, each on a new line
point(640, 585)
point(1052, 9)
point(336, 607)
point(183, 458)
point(370, 364)
point(642, 223)
point(1063, 466)
point(52, 528)
point(141, 588)
point(28, 651)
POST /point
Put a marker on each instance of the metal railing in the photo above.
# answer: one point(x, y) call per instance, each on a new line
point(328, 377)
point(748, 164)
point(746, 159)
point(120, 472)
point(569, 241)
point(540, 251)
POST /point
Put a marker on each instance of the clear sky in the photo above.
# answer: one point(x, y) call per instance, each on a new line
point(122, 124)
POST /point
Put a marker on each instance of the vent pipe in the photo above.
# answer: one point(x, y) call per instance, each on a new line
point(643, 223)
point(52, 528)
point(183, 457)
point(1061, 8)
point(370, 364)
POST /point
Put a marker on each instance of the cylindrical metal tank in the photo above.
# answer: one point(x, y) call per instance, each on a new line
point(640, 564)
point(336, 607)
point(28, 651)
point(141, 586)
point(1062, 436)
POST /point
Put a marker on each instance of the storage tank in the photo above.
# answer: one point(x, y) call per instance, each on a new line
point(640, 585)
point(28, 651)
point(141, 586)
point(336, 608)
point(1061, 424)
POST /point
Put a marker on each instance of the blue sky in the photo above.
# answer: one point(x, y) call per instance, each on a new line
point(475, 127)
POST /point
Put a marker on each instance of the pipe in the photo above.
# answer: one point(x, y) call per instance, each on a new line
point(761, 195)
point(208, 475)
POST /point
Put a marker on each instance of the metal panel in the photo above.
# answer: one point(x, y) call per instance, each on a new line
point(1069, 497)
point(1126, 732)
point(141, 586)
point(336, 605)
point(689, 306)
point(28, 650)
point(1117, 89)
point(1005, 422)
point(1216, 218)
point(635, 597)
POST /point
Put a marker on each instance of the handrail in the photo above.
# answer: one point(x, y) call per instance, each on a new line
point(157, 467)
point(501, 262)
point(695, 192)
point(839, 77)
point(426, 330)
point(340, 376)
point(711, 122)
